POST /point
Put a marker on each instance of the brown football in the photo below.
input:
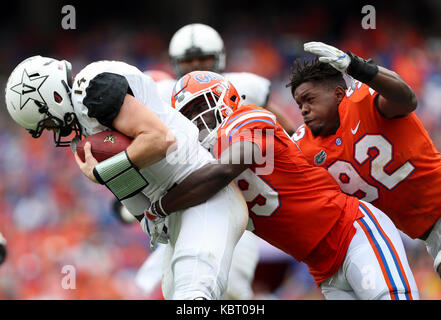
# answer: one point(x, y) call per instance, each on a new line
point(104, 144)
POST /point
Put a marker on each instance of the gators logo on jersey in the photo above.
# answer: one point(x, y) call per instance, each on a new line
point(320, 158)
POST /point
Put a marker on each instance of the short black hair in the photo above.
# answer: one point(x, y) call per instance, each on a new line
point(316, 71)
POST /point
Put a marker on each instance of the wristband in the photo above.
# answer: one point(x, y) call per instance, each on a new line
point(361, 69)
point(157, 210)
point(120, 176)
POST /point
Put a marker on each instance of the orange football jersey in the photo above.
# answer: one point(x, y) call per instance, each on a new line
point(391, 163)
point(293, 205)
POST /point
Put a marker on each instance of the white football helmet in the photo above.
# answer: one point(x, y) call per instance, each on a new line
point(38, 97)
point(197, 40)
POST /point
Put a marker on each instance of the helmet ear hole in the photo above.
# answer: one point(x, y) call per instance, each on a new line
point(57, 97)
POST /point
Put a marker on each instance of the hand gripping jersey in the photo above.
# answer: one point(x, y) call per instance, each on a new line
point(391, 163)
point(293, 205)
point(96, 106)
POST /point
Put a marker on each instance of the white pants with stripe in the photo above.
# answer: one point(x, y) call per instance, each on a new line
point(375, 266)
point(198, 257)
point(243, 266)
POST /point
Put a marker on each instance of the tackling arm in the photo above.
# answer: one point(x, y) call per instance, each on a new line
point(205, 182)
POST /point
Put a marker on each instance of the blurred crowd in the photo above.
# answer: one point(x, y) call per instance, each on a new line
point(53, 217)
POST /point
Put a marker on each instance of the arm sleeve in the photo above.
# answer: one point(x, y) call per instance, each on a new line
point(105, 96)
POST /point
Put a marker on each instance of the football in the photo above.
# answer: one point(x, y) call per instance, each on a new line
point(104, 144)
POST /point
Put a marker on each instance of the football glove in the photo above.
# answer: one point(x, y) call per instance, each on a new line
point(157, 210)
point(155, 228)
point(350, 63)
point(329, 54)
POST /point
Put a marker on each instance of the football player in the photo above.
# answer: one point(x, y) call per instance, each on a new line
point(198, 46)
point(114, 95)
point(246, 252)
point(352, 249)
point(368, 137)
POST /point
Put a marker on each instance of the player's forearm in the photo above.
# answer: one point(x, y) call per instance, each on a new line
point(149, 148)
point(198, 187)
point(394, 89)
point(152, 139)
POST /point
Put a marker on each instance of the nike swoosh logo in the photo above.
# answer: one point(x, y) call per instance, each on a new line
point(354, 131)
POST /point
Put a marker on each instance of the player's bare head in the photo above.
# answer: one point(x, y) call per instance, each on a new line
point(318, 89)
point(197, 46)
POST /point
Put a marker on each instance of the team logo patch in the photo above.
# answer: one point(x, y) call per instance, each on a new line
point(181, 97)
point(110, 138)
point(320, 158)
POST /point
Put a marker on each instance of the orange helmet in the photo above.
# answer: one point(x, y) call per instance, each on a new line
point(220, 97)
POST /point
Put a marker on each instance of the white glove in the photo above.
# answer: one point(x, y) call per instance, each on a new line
point(154, 228)
point(329, 54)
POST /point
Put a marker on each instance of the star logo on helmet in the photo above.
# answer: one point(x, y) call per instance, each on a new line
point(29, 89)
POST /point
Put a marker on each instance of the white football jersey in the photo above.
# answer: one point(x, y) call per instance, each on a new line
point(162, 175)
point(165, 89)
point(256, 89)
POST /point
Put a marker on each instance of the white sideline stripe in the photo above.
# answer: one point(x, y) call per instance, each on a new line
point(248, 116)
